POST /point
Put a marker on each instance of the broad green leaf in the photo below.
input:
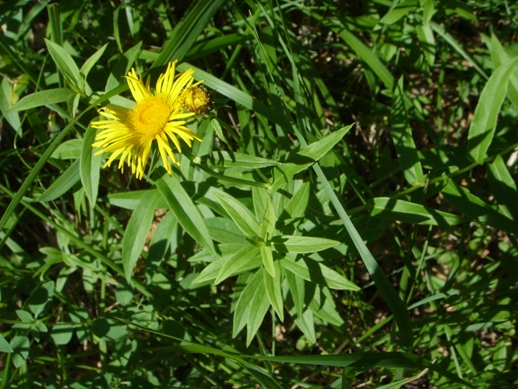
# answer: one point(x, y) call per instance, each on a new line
point(62, 333)
point(64, 182)
point(38, 302)
point(137, 231)
point(185, 210)
point(267, 257)
point(228, 159)
point(274, 290)
point(403, 141)
point(503, 187)
point(46, 97)
point(482, 127)
point(318, 273)
point(123, 292)
point(258, 308)
point(65, 64)
point(5, 347)
point(20, 344)
point(395, 209)
point(284, 172)
point(474, 207)
point(90, 166)
point(237, 262)
point(224, 230)
point(243, 218)
point(302, 244)
point(71, 149)
point(24, 316)
point(398, 12)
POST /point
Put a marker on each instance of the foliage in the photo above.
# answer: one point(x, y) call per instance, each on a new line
point(349, 219)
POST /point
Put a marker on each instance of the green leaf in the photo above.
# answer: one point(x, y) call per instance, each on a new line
point(237, 262)
point(224, 230)
point(20, 345)
point(482, 127)
point(65, 64)
point(395, 209)
point(297, 205)
point(185, 210)
point(123, 292)
point(297, 291)
point(398, 12)
point(230, 159)
point(267, 226)
point(322, 306)
point(403, 141)
point(318, 273)
point(503, 187)
point(13, 118)
point(475, 208)
point(46, 97)
point(267, 257)
point(243, 218)
point(137, 231)
point(71, 149)
point(244, 303)
point(306, 324)
point(41, 297)
point(302, 244)
point(62, 333)
point(274, 290)
point(5, 347)
point(258, 308)
point(90, 62)
point(64, 182)
point(131, 200)
point(284, 172)
point(90, 166)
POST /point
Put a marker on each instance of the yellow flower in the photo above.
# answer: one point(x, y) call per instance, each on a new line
point(197, 99)
point(160, 116)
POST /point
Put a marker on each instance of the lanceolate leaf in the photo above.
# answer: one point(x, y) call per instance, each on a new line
point(483, 126)
point(185, 210)
point(503, 187)
point(90, 165)
point(37, 99)
point(302, 244)
point(137, 232)
point(274, 290)
point(244, 219)
point(403, 141)
point(63, 183)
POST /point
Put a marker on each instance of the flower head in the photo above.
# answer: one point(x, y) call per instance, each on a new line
point(197, 99)
point(160, 116)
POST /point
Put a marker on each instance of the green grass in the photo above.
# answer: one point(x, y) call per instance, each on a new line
point(349, 220)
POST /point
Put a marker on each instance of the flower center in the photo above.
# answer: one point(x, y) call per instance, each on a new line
point(149, 117)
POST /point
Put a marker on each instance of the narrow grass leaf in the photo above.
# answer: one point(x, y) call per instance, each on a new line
point(63, 183)
point(90, 166)
point(137, 231)
point(399, 11)
point(185, 210)
point(244, 219)
point(403, 141)
point(474, 207)
point(503, 187)
point(231, 159)
point(405, 211)
point(482, 128)
point(37, 99)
